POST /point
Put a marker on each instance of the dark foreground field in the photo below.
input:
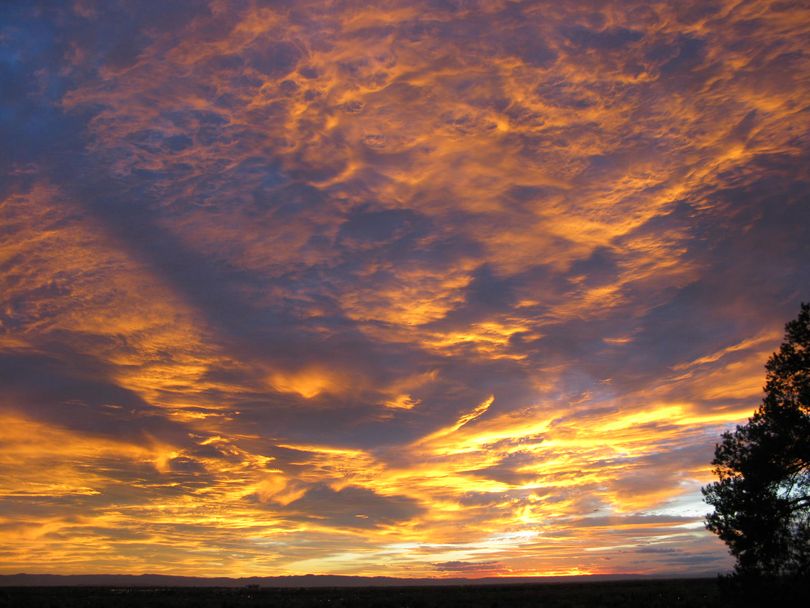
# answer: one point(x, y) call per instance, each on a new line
point(645, 593)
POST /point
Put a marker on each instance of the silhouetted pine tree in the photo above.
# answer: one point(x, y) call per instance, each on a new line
point(762, 497)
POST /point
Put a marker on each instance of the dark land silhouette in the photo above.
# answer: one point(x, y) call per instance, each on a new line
point(705, 592)
point(309, 580)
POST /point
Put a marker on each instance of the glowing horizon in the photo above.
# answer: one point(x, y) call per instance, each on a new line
point(436, 288)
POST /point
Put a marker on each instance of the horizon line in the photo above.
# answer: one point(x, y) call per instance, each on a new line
point(320, 580)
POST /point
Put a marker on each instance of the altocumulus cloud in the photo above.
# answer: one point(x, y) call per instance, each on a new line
point(407, 288)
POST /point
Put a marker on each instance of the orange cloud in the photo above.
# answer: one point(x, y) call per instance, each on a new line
point(412, 289)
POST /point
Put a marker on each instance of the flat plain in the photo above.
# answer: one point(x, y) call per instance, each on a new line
point(642, 593)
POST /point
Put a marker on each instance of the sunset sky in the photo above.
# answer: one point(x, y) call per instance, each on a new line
point(409, 288)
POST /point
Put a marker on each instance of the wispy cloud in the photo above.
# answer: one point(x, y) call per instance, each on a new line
point(408, 289)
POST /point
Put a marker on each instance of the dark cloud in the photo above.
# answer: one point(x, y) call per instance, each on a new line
point(352, 507)
point(483, 267)
point(618, 521)
point(74, 393)
point(508, 469)
point(457, 566)
point(610, 39)
point(274, 58)
point(374, 226)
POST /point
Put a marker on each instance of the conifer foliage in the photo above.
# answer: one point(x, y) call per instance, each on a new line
point(762, 497)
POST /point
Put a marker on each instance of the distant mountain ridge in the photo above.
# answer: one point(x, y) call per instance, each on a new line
point(308, 580)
